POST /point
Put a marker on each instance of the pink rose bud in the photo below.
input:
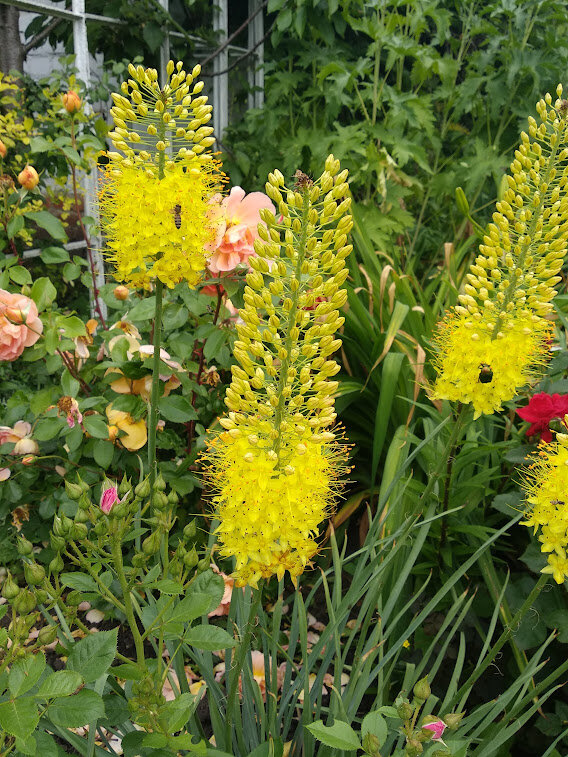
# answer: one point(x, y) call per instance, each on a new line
point(71, 101)
point(28, 178)
point(437, 727)
point(109, 498)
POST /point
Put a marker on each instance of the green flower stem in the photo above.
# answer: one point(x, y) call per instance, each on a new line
point(155, 393)
point(502, 640)
point(289, 343)
point(116, 549)
point(235, 671)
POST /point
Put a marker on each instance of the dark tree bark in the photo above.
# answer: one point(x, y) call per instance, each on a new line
point(11, 48)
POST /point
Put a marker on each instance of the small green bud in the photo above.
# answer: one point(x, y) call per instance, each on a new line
point(47, 634)
point(100, 527)
point(34, 573)
point(190, 558)
point(81, 516)
point(422, 690)
point(143, 489)
point(453, 719)
point(371, 745)
point(203, 565)
point(139, 560)
point(151, 544)
point(41, 596)
point(413, 748)
point(56, 565)
point(173, 498)
point(79, 531)
point(57, 542)
point(160, 500)
point(190, 530)
point(74, 491)
point(119, 510)
point(84, 502)
point(25, 547)
point(124, 487)
point(160, 484)
point(84, 485)
point(10, 590)
point(58, 529)
point(405, 711)
point(74, 598)
point(461, 201)
point(24, 603)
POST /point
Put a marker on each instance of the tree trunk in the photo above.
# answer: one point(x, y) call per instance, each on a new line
point(11, 48)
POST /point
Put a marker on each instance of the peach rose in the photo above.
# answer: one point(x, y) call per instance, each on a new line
point(71, 101)
point(236, 219)
point(28, 178)
point(20, 325)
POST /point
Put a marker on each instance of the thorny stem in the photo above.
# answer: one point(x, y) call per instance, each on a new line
point(128, 611)
point(96, 291)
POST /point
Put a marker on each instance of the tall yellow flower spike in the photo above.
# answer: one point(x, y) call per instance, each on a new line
point(275, 469)
point(154, 201)
point(546, 486)
point(495, 339)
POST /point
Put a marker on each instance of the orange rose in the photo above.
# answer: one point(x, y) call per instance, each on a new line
point(28, 178)
point(71, 101)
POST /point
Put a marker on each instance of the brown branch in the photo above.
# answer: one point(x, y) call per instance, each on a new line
point(40, 36)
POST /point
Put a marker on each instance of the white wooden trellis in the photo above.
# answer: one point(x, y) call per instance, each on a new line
point(79, 17)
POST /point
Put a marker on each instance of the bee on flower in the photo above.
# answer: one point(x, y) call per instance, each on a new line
point(156, 190)
point(496, 338)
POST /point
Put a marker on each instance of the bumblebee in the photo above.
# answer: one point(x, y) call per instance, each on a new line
point(485, 374)
point(176, 212)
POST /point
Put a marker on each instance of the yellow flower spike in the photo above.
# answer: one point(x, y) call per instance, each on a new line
point(546, 487)
point(275, 471)
point(155, 192)
point(494, 341)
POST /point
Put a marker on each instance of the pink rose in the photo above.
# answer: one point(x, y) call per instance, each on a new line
point(109, 498)
point(20, 326)
point(19, 436)
point(437, 727)
point(236, 218)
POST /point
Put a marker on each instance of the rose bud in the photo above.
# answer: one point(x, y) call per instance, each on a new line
point(28, 178)
point(71, 101)
point(28, 459)
point(437, 726)
point(109, 498)
point(3, 149)
point(121, 292)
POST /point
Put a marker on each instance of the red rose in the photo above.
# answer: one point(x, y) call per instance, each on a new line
point(542, 409)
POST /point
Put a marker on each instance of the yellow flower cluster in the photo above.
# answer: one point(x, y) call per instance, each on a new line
point(155, 195)
point(546, 486)
point(275, 467)
point(510, 286)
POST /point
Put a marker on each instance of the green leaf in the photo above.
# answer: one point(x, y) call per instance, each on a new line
point(43, 293)
point(93, 655)
point(71, 271)
point(50, 223)
point(374, 723)
point(47, 428)
point(103, 452)
point(20, 275)
point(79, 581)
point(211, 584)
point(19, 717)
point(178, 711)
point(62, 683)
point(15, 225)
point(153, 35)
point(51, 255)
point(168, 586)
point(25, 673)
point(40, 144)
point(96, 426)
point(144, 310)
point(191, 607)
point(209, 637)
point(69, 384)
point(177, 409)
point(71, 712)
point(72, 326)
point(214, 343)
point(340, 735)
